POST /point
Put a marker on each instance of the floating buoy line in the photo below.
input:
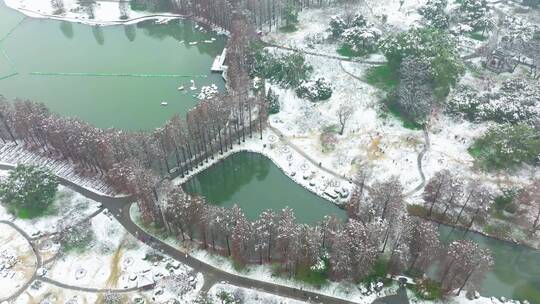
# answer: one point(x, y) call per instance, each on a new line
point(116, 75)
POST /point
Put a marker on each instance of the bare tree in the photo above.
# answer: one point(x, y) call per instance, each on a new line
point(345, 112)
point(58, 7)
point(529, 206)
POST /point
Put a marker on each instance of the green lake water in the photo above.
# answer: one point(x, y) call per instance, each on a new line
point(32, 45)
point(254, 183)
point(250, 180)
point(516, 273)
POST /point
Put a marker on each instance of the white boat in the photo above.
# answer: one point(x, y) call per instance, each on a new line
point(164, 103)
point(193, 43)
point(181, 88)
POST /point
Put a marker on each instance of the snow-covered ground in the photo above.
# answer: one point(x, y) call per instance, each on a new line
point(116, 260)
point(250, 296)
point(17, 261)
point(105, 12)
point(370, 139)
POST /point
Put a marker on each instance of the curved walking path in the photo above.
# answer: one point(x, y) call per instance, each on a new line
point(425, 149)
point(39, 261)
point(341, 58)
point(422, 153)
point(89, 289)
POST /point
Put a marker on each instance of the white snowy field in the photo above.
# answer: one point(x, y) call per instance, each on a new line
point(105, 12)
point(116, 260)
point(17, 261)
point(374, 139)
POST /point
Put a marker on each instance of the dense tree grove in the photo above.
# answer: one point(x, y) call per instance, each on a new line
point(431, 44)
point(378, 228)
point(516, 101)
point(508, 146)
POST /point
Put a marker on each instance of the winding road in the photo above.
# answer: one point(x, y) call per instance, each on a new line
point(119, 207)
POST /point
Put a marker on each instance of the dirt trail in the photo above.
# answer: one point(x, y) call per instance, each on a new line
point(116, 271)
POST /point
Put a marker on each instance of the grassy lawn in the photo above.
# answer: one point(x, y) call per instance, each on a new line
point(380, 270)
point(346, 51)
point(405, 122)
point(305, 274)
point(31, 213)
point(382, 77)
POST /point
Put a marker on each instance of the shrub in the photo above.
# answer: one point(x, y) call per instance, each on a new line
point(315, 90)
point(507, 146)
point(28, 190)
point(329, 139)
point(340, 23)
point(362, 40)
point(431, 44)
point(272, 100)
point(358, 36)
point(434, 13)
point(504, 202)
point(288, 70)
point(516, 101)
point(428, 290)
point(77, 237)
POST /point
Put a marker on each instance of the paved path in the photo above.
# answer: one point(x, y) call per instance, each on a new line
point(88, 289)
point(421, 155)
point(119, 208)
point(341, 58)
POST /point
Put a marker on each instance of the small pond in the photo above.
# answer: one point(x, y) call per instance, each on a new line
point(255, 183)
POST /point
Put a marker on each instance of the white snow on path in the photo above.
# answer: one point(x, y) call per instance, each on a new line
point(105, 13)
